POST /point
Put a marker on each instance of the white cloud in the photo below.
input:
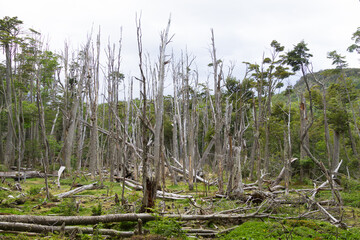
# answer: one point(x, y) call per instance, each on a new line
point(243, 29)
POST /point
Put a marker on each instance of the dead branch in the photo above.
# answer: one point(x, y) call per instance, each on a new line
point(316, 190)
point(77, 190)
point(61, 170)
point(281, 174)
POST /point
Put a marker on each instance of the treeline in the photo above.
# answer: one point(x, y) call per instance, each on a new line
point(236, 127)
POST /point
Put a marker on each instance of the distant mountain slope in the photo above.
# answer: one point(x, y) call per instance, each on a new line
point(329, 76)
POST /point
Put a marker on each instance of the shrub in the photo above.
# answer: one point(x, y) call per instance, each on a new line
point(97, 210)
point(66, 208)
point(167, 227)
point(34, 190)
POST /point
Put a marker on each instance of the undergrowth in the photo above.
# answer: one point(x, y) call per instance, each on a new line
point(290, 229)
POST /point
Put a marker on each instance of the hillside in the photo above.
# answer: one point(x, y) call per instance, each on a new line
point(330, 76)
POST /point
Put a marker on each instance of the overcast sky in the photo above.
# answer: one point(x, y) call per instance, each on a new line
point(243, 28)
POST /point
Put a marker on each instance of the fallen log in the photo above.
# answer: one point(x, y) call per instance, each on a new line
point(187, 172)
point(25, 174)
point(192, 230)
point(159, 194)
point(77, 190)
point(136, 187)
point(30, 234)
point(91, 220)
point(4, 189)
point(26, 227)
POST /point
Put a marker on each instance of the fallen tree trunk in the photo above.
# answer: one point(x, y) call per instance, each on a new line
point(136, 187)
point(90, 220)
point(187, 172)
point(77, 190)
point(4, 189)
point(23, 175)
point(16, 226)
point(160, 194)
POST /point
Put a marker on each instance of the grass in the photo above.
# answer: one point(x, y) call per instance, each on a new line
point(102, 201)
point(290, 229)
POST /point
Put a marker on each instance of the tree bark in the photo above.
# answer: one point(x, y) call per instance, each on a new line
point(9, 146)
point(218, 114)
point(303, 123)
point(70, 124)
point(92, 220)
point(77, 190)
point(93, 89)
point(28, 227)
point(336, 154)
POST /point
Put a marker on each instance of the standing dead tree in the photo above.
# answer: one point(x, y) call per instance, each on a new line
point(113, 78)
point(77, 75)
point(151, 172)
point(218, 78)
point(93, 91)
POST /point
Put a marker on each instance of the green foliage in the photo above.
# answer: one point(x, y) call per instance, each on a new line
point(167, 227)
point(9, 28)
point(66, 208)
point(97, 234)
point(96, 210)
point(54, 145)
point(290, 229)
point(351, 193)
point(3, 168)
point(356, 45)
point(209, 134)
point(125, 226)
point(299, 57)
point(34, 190)
point(337, 59)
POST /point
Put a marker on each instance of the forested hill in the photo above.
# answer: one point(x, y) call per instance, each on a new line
point(330, 76)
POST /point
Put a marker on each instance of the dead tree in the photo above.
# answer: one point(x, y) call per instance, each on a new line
point(70, 115)
point(93, 91)
point(218, 78)
point(45, 142)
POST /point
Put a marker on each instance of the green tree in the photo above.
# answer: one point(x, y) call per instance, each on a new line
point(9, 30)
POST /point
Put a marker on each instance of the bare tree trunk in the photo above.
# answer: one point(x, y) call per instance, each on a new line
point(41, 115)
point(218, 113)
point(93, 89)
point(81, 133)
point(287, 148)
point(159, 112)
point(353, 142)
point(336, 155)
point(69, 128)
point(1, 140)
point(303, 123)
point(329, 148)
point(326, 128)
point(175, 144)
point(9, 146)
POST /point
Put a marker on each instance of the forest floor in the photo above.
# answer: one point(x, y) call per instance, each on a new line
point(276, 216)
